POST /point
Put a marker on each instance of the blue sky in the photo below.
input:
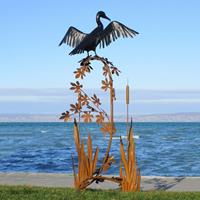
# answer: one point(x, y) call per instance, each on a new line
point(164, 56)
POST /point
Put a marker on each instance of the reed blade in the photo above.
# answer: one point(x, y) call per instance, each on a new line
point(94, 164)
point(89, 145)
point(123, 157)
point(76, 136)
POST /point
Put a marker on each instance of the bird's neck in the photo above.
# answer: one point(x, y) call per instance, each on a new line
point(99, 21)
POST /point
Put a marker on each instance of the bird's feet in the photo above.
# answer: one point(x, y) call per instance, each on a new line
point(85, 61)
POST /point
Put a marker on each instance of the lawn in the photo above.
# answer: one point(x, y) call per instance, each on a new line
point(42, 193)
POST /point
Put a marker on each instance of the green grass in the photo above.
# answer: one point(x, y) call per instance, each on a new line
point(42, 193)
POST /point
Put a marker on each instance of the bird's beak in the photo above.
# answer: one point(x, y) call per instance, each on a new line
point(107, 18)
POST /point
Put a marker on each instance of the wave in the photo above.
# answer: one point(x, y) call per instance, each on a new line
point(43, 131)
point(117, 137)
point(125, 137)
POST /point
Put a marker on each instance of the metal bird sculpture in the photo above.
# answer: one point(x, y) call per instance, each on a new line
point(88, 42)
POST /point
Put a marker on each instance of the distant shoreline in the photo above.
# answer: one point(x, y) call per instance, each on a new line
point(177, 117)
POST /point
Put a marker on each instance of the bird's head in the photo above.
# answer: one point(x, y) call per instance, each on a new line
point(103, 15)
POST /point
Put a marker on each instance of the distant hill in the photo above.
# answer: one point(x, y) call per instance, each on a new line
point(179, 117)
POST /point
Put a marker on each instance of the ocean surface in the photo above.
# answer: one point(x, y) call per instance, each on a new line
point(162, 149)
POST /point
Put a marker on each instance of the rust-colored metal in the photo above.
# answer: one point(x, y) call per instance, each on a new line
point(87, 109)
point(86, 162)
point(127, 108)
point(130, 175)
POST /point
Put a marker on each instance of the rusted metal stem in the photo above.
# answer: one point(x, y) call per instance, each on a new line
point(85, 183)
point(111, 116)
point(127, 110)
point(106, 62)
point(96, 176)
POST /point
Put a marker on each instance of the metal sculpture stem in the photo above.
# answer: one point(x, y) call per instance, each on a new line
point(101, 179)
point(127, 109)
point(111, 116)
point(127, 119)
point(106, 62)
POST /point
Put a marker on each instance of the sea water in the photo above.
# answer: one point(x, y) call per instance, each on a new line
point(162, 149)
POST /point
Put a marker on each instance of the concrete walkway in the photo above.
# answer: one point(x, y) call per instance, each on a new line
point(64, 180)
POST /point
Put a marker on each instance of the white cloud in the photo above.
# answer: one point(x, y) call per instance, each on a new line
point(170, 101)
point(141, 101)
point(33, 98)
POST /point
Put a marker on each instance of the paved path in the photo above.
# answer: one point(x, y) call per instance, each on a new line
point(64, 180)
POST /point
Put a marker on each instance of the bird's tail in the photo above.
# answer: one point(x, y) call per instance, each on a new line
point(76, 51)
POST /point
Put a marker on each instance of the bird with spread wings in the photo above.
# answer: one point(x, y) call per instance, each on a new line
point(99, 36)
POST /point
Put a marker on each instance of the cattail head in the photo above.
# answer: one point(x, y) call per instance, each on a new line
point(127, 94)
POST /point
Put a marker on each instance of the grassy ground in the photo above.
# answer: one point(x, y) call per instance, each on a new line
point(41, 193)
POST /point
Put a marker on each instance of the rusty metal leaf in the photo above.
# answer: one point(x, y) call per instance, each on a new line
point(76, 87)
point(100, 118)
point(96, 100)
point(108, 128)
point(87, 117)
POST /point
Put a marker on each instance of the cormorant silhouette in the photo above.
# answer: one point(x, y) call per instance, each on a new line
point(88, 42)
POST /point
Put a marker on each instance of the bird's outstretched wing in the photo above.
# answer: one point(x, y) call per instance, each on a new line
point(73, 37)
point(113, 31)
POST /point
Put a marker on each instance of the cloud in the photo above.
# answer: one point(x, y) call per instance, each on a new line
point(32, 92)
point(167, 101)
point(141, 101)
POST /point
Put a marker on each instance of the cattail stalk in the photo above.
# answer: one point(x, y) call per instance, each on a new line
point(127, 94)
point(127, 108)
